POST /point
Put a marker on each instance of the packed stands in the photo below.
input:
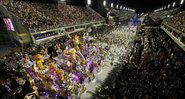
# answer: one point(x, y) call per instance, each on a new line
point(159, 75)
point(159, 15)
point(177, 21)
point(43, 16)
point(155, 69)
point(125, 14)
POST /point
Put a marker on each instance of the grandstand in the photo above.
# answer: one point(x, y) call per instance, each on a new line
point(28, 13)
point(177, 21)
point(160, 15)
point(121, 15)
point(92, 49)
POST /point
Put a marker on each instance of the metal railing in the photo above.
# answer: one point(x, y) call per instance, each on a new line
point(170, 30)
point(62, 31)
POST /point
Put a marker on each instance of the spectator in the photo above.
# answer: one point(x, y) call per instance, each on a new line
point(43, 16)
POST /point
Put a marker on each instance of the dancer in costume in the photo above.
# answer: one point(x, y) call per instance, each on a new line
point(39, 61)
point(76, 42)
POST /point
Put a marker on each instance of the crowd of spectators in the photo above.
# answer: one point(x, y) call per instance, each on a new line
point(160, 73)
point(173, 51)
point(43, 16)
point(159, 15)
point(177, 21)
point(12, 79)
point(123, 14)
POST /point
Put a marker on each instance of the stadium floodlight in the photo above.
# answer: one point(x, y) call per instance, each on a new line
point(182, 1)
point(117, 6)
point(104, 3)
point(168, 6)
point(89, 2)
point(112, 4)
point(121, 7)
point(173, 4)
point(164, 7)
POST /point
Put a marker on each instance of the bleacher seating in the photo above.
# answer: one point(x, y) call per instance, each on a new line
point(177, 21)
point(43, 16)
point(162, 14)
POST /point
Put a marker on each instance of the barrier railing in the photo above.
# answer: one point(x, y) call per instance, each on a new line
point(175, 34)
point(63, 30)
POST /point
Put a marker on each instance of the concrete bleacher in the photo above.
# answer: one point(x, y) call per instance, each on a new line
point(35, 19)
point(159, 15)
point(44, 16)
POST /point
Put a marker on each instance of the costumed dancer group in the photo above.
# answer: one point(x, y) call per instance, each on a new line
point(63, 72)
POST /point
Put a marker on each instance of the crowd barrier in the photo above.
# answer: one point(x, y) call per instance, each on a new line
point(176, 35)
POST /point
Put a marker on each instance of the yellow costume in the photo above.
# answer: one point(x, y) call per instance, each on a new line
point(76, 42)
point(66, 52)
point(77, 56)
point(52, 68)
point(73, 53)
point(60, 73)
point(69, 64)
point(80, 58)
point(39, 61)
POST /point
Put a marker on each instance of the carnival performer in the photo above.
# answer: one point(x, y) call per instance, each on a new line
point(76, 42)
point(39, 61)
